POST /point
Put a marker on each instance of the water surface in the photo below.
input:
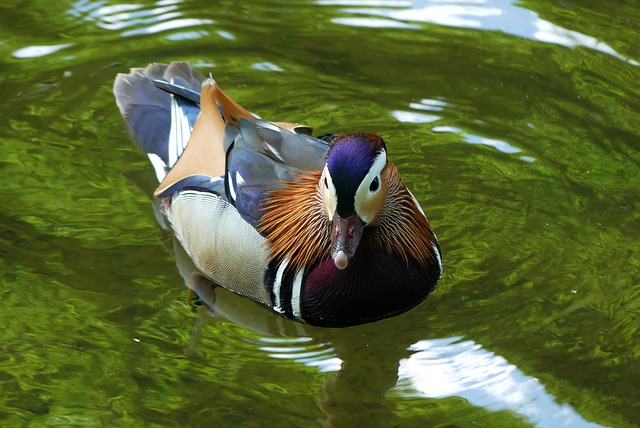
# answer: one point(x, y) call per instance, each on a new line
point(514, 124)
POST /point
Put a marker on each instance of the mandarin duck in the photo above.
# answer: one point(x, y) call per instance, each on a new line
point(321, 230)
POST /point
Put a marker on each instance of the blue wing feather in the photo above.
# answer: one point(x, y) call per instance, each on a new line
point(177, 87)
point(146, 103)
point(260, 155)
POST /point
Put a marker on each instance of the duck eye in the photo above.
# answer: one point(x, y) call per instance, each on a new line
point(374, 185)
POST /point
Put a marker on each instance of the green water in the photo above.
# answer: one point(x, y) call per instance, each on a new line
point(514, 124)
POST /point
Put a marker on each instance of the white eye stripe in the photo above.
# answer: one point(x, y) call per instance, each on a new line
point(329, 194)
point(364, 191)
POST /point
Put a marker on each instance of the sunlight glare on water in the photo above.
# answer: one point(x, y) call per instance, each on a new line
point(460, 368)
point(501, 15)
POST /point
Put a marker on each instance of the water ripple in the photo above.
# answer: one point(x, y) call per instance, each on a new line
point(137, 19)
point(436, 106)
point(266, 66)
point(424, 105)
point(318, 355)
point(493, 15)
point(413, 117)
point(499, 145)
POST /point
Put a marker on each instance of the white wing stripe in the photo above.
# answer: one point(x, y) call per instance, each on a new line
point(180, 132)
point(295, 294)
point(277, 285)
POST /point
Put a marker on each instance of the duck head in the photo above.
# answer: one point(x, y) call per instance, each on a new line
point(353, 190)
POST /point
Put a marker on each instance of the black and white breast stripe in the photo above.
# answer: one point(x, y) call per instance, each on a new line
point(285, 287)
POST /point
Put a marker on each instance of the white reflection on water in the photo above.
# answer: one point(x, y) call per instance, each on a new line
point(266, 66)
point(424, 105)
point(138, 19)
point(171, 24)
point(447, 15)
point(413, 117)
point(449, 367)
point(38, 51)
point(312, 355)
point(499, 145)
point(500, 15)
point(454, 368)
point(373, 23)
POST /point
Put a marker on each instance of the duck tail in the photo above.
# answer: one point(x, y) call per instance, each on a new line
point(160, 104)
